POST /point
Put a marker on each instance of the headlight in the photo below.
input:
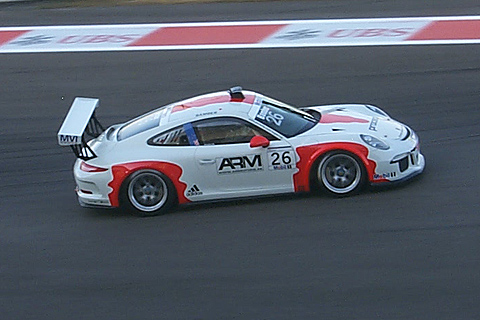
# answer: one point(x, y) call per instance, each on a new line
point(413, 135)
point(374, 142)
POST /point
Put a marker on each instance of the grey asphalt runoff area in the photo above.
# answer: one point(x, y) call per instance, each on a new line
point(410, 252)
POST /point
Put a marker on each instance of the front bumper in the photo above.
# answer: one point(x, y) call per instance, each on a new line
point(411, 173)
point(399, 167)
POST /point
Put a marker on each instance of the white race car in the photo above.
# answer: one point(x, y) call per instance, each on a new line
point(234, 144)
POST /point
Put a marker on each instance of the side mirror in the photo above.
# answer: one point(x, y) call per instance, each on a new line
point(259, 141)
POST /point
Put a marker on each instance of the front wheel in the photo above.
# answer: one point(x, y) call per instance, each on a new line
point(340, 173)
point(149, 193)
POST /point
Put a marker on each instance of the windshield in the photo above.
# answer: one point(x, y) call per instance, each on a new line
point(285, 119)
point(140, 124)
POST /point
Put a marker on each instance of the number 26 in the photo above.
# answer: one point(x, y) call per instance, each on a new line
point(275, 118)
point(285, 157)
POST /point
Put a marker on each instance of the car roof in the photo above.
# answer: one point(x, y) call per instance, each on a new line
point(211, 104)
point(217, 104)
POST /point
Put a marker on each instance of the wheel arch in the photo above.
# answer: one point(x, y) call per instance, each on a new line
point(121, 172)
point(313, 180)
point(311, 155)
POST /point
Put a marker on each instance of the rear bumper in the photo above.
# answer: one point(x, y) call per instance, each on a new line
point(92, 200)
point(92, 187)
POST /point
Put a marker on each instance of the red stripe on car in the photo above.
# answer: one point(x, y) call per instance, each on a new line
point(333, 118)
point(249, 99)
point(122, 171)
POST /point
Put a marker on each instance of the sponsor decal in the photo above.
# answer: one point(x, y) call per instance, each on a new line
point(300, 34)
point(373, 124)
point(257, 102)
point(99, 38)
point(266, 116)
point(72, 38)
point(370, 33)
point(281, 159)
point(33, 40)
point(262, 113)
point(386, 175)
point(194, 191)
point(251, 162)
point(211, 113)
point(65, 139)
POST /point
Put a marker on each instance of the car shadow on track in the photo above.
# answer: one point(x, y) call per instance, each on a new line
point(199, 207)
point(108, 213)
point(204, 207)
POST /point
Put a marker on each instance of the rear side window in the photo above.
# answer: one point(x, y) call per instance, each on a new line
point(140, 124)
point(183, 135)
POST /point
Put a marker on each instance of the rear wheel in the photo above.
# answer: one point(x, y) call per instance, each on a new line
point(340, 173)
point(149, 193)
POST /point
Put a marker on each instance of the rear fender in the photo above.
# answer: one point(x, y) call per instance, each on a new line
point(121, 171)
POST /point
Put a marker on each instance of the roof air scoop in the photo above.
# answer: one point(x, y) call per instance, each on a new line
point(236, 93)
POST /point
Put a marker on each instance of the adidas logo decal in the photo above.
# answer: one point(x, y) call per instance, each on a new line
point(194, 191)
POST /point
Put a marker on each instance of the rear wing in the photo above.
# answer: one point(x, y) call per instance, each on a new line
point(79, 122)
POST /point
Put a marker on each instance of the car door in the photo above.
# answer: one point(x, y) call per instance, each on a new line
point(230, 167)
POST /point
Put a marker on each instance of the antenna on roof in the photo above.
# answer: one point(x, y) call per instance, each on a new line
point(236, 93)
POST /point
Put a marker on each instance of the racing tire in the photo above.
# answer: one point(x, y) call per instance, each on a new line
point(340, 173)
point(148, 193)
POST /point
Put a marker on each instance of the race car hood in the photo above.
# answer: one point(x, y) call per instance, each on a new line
point(357, 118)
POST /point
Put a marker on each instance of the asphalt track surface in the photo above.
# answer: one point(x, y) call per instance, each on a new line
point(410, 252)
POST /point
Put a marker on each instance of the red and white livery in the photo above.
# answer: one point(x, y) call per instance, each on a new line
point(234, 144)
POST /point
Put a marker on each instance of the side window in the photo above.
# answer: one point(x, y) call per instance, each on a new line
point(227, 131)
point(183, 135)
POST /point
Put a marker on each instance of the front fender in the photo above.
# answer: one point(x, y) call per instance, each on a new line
point(310, 154)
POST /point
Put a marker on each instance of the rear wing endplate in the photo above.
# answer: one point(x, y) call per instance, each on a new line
point(79, 122)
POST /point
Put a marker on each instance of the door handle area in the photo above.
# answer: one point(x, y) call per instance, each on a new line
point(207, 161)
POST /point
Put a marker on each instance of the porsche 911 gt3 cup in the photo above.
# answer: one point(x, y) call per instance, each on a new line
point(234, 144)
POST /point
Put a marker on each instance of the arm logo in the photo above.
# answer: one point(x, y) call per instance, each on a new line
point(252, 162)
